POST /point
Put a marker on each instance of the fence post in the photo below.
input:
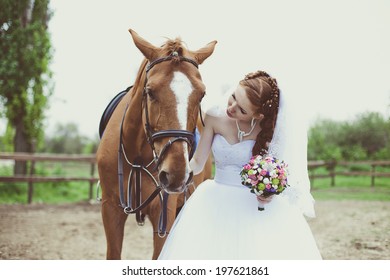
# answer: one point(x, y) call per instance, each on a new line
point(30, 191)
point(91, 182)
point(372, 175)
point(332, 166)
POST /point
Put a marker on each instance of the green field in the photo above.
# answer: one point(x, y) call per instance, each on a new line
point(62, 192)
point(351, 187)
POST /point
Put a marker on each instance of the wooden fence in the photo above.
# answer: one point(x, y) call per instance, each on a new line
point(32, 178)
point(330, 166)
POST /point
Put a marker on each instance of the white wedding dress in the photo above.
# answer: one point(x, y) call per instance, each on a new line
point(221, 220)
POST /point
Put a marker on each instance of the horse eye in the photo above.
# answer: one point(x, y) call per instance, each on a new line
point(149, 92)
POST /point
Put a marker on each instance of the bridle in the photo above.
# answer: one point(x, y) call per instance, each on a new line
point(174, 134)
point(137, 168)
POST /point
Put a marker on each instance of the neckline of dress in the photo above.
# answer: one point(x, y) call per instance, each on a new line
point(243, 141)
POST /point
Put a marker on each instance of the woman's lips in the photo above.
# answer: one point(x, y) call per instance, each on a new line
point(229, 114)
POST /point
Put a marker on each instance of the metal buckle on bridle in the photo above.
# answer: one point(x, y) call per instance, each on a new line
point(127, 210)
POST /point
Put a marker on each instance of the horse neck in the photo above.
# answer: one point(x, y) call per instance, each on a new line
point(134, 137)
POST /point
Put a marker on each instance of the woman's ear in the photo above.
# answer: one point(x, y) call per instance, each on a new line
point(258, 116)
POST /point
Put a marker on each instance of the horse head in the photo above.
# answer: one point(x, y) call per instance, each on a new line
point(173, 90)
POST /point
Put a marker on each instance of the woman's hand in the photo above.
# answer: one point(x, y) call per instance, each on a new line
point(263, 199)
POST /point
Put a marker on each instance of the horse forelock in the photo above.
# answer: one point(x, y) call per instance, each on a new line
point(173, 45)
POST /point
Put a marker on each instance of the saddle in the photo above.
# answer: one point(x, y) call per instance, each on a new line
point(110, 109)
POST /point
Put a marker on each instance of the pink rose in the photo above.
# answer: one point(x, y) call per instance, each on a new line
point(253, 176)
point(247, 167)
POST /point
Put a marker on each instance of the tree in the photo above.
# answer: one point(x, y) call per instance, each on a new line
point(369, 130)
point(25, 53)
point(6, 140)
point(66, 139)
point(323, 141)
point(365, 137)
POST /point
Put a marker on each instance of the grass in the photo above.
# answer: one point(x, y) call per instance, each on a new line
point(45, 193)
point(352, 187)
point(52, 193)
point(352, 193)
point(346, 187)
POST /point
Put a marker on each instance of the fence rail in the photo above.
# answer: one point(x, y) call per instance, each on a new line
point(32, 178)
point(332, 173)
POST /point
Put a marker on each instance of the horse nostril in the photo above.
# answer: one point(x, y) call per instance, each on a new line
point(163, 177)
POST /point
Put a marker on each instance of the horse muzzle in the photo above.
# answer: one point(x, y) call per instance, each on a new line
point(170, 183)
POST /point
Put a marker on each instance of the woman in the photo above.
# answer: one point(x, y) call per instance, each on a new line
point(221, 219)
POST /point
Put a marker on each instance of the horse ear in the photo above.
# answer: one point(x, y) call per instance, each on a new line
point(205, 52)
point(148, 50)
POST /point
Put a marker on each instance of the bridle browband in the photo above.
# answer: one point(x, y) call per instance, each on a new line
point(174, 135)
point(174, 55)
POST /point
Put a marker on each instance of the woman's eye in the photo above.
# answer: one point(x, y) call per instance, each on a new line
point(241, 110)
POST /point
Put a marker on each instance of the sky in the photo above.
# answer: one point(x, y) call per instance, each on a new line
point(332, 56)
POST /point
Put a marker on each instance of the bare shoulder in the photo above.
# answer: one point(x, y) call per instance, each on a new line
point(216, 122)
point(214, 117)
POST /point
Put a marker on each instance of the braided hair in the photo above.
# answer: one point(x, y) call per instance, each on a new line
point(263, 92)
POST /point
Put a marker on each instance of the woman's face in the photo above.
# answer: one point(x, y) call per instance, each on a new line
point(239, 106)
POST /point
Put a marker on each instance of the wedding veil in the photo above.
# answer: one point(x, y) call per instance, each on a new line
point(289, 143)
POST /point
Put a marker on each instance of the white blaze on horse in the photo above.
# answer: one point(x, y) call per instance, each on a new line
point(148, 141)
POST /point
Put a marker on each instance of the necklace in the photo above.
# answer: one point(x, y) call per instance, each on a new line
point(241, 134)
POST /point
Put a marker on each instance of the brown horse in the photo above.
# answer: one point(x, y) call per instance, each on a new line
point(152, 130)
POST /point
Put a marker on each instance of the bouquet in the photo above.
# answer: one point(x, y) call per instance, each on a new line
point(265, 176)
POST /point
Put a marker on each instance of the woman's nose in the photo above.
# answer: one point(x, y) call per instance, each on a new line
point(232, 107)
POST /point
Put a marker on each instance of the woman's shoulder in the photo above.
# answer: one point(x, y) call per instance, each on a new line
point(211, 116)
point(216, 113)
point(217, 122)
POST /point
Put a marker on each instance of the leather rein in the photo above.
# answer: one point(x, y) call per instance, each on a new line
point(138, 168)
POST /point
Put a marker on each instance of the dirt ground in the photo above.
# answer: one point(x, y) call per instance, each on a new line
point(353, 230)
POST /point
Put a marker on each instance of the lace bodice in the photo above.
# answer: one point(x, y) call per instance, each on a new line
point(229, 159)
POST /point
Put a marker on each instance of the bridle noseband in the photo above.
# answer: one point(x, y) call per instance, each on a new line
point(174, 135)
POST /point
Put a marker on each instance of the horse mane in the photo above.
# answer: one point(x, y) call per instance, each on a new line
point(140, 78)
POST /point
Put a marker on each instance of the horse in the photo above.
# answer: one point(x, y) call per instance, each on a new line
point(149, 140)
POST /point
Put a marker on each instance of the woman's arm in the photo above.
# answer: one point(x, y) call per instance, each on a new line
point(204, 146)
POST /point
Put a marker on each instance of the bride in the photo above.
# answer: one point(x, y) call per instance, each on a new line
point(221, 219)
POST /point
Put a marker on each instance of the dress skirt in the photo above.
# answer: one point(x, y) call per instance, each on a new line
point(222, 221)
